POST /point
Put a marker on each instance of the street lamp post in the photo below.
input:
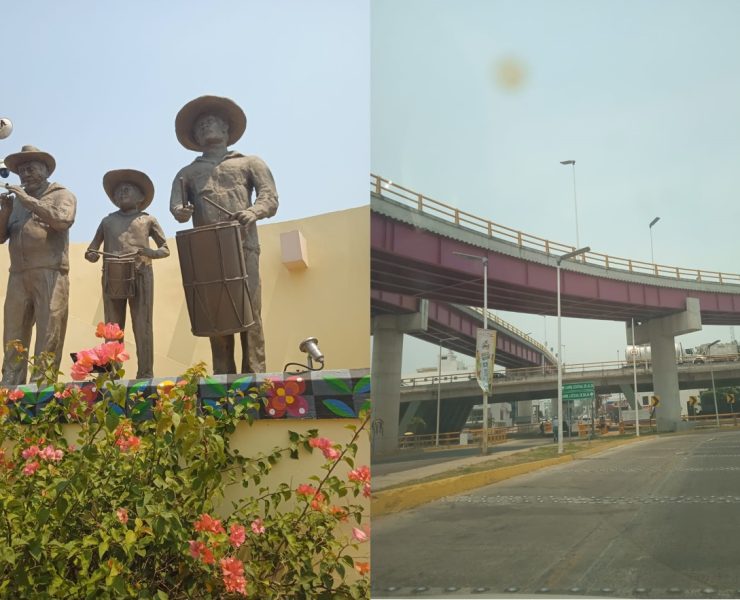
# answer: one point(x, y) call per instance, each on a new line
point(711, 372)
point(650, 227)
point(439, 387)
point(575, 202)
point(484, 260)
point(560, 344)
point(634, 376)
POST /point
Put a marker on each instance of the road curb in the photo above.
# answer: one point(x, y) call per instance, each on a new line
point(387, 502)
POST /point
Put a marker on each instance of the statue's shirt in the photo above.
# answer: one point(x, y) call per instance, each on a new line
point(125, 233)
point(230, 183)
point(40, 239)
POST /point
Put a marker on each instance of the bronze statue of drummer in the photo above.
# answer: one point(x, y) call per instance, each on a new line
point(222, 185)
point(127, 259)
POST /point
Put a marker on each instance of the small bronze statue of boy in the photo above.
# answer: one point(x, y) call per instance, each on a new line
point(127, 259)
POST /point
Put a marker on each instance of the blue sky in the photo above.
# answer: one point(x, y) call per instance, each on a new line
point(645, 96)
point(98, 85)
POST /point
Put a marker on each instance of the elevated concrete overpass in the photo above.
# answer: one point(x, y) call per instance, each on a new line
point(414, 241)
point(460, 392)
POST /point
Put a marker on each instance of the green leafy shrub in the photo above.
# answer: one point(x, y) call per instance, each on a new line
point(137, 509)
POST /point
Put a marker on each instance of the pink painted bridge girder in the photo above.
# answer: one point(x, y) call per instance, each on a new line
point(457, 327)
point(413, 260)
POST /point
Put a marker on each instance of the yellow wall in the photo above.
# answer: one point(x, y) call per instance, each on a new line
point(328, 300)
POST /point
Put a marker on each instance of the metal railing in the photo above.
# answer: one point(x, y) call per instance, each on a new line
point(473, 436)
point(515, 330)
point(440, 210)
point(594, 368)
point(710, 421)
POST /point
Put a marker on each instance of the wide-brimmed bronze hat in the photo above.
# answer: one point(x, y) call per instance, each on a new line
point(112, 178)
point(29, 153)
point(223, 107)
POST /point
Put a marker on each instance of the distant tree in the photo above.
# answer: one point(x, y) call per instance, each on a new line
point(706, 399)
point(417, 425)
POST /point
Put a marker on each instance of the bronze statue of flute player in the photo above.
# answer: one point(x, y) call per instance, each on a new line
point(35, 218)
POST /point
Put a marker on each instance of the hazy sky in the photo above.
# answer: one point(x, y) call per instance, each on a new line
point(476, 102)
point(98, 85)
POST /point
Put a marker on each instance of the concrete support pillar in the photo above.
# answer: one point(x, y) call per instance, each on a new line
point(665, 381)
point(660, 334)
point(385, 375)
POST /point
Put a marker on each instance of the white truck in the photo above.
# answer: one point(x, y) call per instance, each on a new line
point(720, 352)
point(641, 355)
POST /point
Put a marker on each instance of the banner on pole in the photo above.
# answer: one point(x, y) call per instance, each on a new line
point(485, 355)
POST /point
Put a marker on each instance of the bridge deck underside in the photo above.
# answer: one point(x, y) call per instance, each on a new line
point(456, 329)
point(411, 260)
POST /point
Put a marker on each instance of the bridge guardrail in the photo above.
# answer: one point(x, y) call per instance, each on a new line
point(595, 368)
point(428, 440)
point(440, 210)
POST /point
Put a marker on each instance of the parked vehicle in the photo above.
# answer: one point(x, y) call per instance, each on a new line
point(723, 351)
point(641, 355)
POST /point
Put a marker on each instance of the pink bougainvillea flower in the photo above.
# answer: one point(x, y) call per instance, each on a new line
point(208, 523)
point(360, 474)
point(109, 331)
point(237, 535)
point(30, 452)
point(129, 443)
point(31, 468)
point(195, 548)
point(232, 571)
point(16, 394)
point(285, 396)
point(305, 489)
point(66, 392)
point(361, 535)
point(318, 497)
point(258, 527)
point(51, 454)
point(320, 442)
point(122, 514)
point(366, 491)
point(326, 446)
point(87, 358)
point(111, 352)
point(200, 551)
point(331, 453)
point(125, 438)
point(363, 568)
point(79, 371)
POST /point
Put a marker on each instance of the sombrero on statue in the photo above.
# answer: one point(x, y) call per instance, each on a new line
point(225, 108)
point(27, 154)
point(141, 180)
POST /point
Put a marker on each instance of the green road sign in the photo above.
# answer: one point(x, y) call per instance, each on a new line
point(578, 391)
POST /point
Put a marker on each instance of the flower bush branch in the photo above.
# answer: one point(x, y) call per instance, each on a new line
point(137, 509)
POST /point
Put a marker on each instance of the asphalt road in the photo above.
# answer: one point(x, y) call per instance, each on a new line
point(656, 519)
point(408, 460)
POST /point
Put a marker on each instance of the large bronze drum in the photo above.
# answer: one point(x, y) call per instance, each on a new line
point(215, 279)
point(119, 277)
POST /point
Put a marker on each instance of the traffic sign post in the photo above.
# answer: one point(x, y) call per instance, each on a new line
point(578, 391)
point(730, 399)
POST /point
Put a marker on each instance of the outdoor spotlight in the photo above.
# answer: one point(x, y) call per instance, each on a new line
point(6, 127)
point(311, 347)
